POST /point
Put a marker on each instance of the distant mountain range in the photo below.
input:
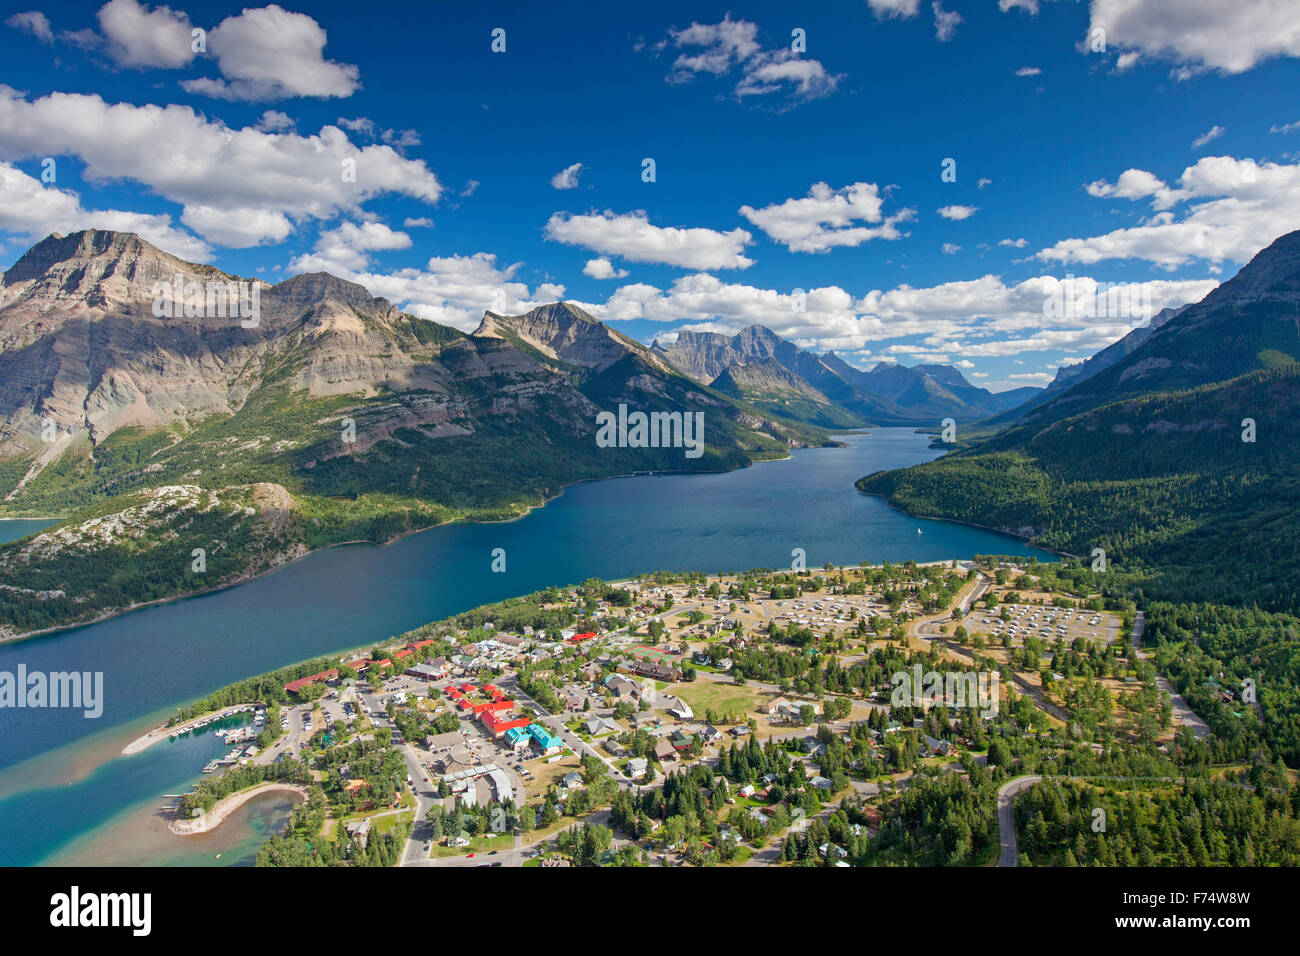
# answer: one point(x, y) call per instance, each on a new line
point(770, 373)
point(254, 422)
point(329, 415)
point(82, 350)
point(1175, 451)
point(1068, 375)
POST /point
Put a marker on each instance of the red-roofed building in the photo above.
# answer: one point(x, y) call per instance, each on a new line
point(296, 685)
point(400, 654)
point(498, 723)
point(579, 638)
point(492, 690)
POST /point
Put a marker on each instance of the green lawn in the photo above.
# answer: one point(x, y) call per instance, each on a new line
point(703, 695)
point(384, 824)
point(477, 845)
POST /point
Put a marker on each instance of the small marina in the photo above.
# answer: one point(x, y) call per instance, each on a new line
point(203, 722)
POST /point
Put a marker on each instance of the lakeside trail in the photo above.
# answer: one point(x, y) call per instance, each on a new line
point(163, 732)
point(228, 805)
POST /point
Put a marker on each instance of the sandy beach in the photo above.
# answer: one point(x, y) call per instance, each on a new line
point(225, 807)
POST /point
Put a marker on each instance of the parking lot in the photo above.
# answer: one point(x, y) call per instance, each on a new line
point(1046, 623)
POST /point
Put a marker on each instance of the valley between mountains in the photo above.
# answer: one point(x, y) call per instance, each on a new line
point(190, 452)
point(187, 452)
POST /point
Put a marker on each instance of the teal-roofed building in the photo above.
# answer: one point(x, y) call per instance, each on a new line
point(544, 738)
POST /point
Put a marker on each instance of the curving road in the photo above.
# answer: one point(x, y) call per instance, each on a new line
point(1007, 820)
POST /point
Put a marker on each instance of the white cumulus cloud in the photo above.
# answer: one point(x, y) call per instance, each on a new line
point(272, 53)
point(957, 213)
point(34, 210)
point(633, 237)
point(456, 290)
point(602, 268)
point(945, 22)
point(1232, 209)
point(1200, 35)
point(719, 48)
point(1212, 134)
point(567, 178)
point(242, 184)
point(885, 9)
point(135, 35)
point(827, 218)
point(345, 250)
point(33, 22)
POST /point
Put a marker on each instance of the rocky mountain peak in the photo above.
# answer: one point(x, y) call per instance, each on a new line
point(310, 288)
point(99, 268)
point(563, 331)
point(1274, 272)
point(757, 340)
point(545, 320)
point(78, 247)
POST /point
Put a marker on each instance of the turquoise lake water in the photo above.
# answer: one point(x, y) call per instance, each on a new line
point(64, 791)
point(11, 529)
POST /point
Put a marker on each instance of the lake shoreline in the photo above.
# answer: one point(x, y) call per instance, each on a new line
point(968, 524)
point(162, 731)
point(246, 578)
point(224, 807)
point(108, 615)
point(716, 521)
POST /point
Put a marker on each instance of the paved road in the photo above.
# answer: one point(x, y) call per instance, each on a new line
point(514, 857)
point(1139, 625)
point(426, 795)
point(968, 602)
point(1183, 713)
point(556, 723)
point(1006, 819)
point(931, 631)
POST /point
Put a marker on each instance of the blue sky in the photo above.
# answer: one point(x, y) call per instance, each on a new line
point(1163, 162)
